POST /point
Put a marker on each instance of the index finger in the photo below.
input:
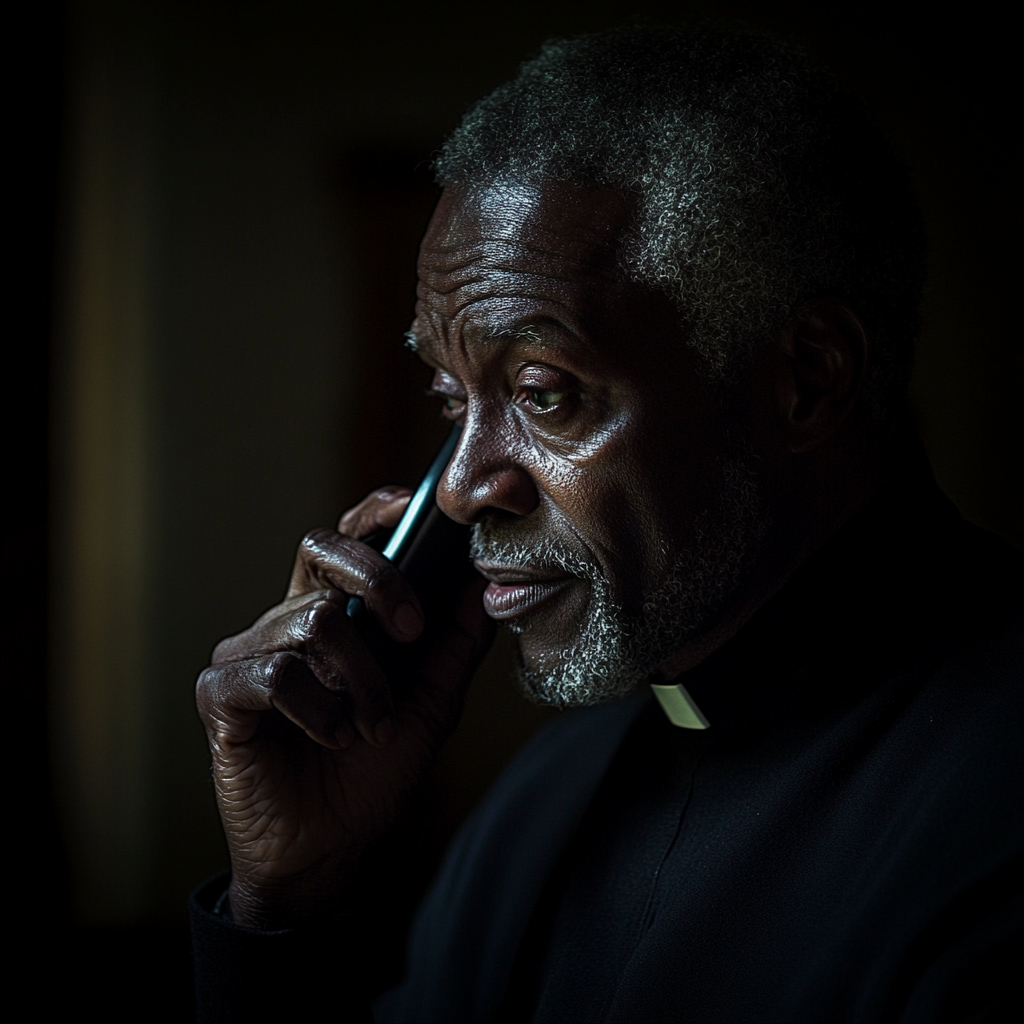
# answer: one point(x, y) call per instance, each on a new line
point(327, 560)
point(380, 510)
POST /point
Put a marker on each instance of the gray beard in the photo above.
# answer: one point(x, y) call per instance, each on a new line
point(616, 652)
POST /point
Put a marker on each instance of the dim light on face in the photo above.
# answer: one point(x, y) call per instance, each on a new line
point(613, 501)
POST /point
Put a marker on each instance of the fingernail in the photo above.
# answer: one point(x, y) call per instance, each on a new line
point(384, 731)
point(345, 734)
point(406, 620)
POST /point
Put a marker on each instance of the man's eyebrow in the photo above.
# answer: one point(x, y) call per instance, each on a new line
point(519, 332)
point(533, 331)
point(546, 332)
point(524, 332)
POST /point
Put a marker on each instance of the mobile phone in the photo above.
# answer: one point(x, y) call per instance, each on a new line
point(431, 551)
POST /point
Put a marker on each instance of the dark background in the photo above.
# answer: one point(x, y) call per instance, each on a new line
point(222, 204)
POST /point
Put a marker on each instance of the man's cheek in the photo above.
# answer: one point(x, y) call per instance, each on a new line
point(594, 442)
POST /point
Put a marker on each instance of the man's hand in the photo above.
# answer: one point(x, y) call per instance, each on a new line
point(313, 755)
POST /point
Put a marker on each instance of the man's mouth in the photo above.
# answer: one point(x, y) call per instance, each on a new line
point(514, 591)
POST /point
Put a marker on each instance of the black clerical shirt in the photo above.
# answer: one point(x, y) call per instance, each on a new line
point(844, 843)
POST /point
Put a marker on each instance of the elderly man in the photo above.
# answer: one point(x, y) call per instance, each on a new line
point(670, 293)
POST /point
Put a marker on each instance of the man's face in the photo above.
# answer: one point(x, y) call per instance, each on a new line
point(611, 493)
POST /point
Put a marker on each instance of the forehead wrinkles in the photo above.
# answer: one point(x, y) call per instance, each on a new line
point(506, 251)
point(449, 267)
point(510, 273)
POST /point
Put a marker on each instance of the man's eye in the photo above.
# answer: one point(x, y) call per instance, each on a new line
point(541, 400)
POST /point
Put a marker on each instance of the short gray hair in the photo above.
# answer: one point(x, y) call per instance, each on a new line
point(759, 183)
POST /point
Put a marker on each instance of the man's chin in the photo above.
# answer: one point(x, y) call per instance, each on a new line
point(575, 674)
point(566, 690)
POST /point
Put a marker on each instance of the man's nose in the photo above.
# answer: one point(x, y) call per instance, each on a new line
point(485, 474)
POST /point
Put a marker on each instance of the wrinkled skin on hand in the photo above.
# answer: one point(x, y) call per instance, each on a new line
point(313, 756)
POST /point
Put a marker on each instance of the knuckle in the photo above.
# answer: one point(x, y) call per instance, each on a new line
point(207, 684)
point(313, 544)
point(321, 614)
point(279, 672)
point(277, 667)
point(380, 576)
point(217, 689)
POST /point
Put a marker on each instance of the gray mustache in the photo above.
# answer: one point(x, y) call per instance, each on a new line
point(506, 547)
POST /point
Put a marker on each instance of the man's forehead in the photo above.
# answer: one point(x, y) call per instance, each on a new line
point(557, 220)
point(510, 251)
point(502, 211)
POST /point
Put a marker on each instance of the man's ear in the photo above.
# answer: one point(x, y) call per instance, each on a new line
point(824, 354)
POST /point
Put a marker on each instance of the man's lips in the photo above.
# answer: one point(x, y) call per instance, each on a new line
point(515, 591)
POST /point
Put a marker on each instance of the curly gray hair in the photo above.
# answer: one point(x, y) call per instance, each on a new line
point(759, 183)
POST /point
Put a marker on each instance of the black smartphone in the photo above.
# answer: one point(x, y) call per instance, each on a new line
point(430, 550)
